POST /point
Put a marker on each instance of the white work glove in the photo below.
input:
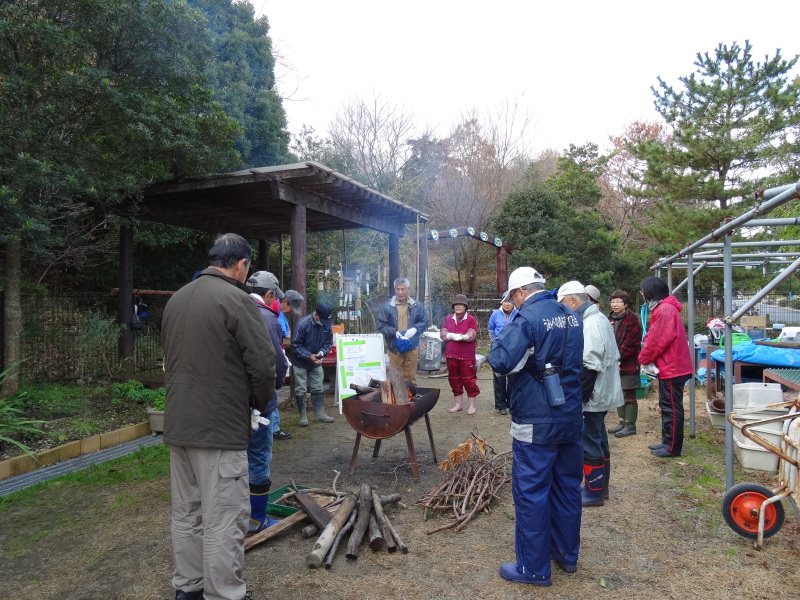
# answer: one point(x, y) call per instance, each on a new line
point(452, 336)
point(289, 368)
point(410, 333)
point(256, 419)
point(398, 334)
point(650, 369)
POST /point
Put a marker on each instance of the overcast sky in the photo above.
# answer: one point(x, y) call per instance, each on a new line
point(582, 70)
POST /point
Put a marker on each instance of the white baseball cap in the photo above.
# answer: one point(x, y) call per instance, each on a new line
point(569, 288)
point(520, 277)
point(594, 293)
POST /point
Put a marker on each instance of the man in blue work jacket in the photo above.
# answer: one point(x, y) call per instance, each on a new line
point(547, 446)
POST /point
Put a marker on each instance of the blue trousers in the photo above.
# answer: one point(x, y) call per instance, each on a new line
point(275, 420)
point(546, 486)
point(595, 435)
point(259, 454)
point(500, 391)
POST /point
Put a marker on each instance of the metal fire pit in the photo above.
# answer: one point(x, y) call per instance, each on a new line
point(379, 421)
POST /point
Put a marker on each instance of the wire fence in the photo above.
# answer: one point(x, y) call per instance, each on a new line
point(76, 337)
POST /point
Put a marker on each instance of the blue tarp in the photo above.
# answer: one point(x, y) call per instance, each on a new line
point(762, 355)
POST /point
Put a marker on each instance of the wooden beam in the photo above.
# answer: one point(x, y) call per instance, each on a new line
point(394, 261)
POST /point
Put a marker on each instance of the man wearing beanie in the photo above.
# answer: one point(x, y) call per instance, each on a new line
point(312, 339)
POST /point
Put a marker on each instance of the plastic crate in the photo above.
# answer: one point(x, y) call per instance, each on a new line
point(283, 510)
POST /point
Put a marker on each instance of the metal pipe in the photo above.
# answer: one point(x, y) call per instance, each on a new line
point(772, 192)
point(773, 222)
point(760, 263)
point(731, 318)
point(728, 305)
point(690, 298)
point(784, 196)
point(758, 244)
point(691, 275)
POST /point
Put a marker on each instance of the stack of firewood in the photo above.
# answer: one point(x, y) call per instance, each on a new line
point(357, 514)
point(393, 390)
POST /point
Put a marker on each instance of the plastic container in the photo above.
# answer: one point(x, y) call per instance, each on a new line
point(752, 395)
point(755, 457)
point(717, 418)
point(282, 510)
point(769, 434)
point(430, 351)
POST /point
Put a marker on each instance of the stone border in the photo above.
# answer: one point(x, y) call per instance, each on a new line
point(25, 463)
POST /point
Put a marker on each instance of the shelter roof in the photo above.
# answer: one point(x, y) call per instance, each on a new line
point(257, 203)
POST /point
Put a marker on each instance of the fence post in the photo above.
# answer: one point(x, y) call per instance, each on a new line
point(125, 307)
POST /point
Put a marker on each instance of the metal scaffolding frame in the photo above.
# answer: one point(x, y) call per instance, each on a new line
point(705, 249)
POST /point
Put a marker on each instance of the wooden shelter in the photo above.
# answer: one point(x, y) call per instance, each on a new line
point(263, 204)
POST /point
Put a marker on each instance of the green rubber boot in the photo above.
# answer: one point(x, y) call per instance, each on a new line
point(621, 413)
point(631, 412)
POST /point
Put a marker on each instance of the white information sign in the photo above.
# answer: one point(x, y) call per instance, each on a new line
point(359, 358)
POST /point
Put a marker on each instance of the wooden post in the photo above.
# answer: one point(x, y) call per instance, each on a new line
point(125, 305)
point(364, 511)
point(423, 270)
point(394, 261)
point(263, 255)
point(375, 535)
point(326, 538)
point(502, 270)
point(299, 251)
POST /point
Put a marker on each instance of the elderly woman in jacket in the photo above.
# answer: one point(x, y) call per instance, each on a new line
point(460, 330)
point(666, 346)
point(628, 332)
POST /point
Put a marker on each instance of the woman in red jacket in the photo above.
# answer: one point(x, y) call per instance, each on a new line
point(460, 330)
point(666, 346)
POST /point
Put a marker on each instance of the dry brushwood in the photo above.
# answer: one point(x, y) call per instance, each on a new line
point(475, 477)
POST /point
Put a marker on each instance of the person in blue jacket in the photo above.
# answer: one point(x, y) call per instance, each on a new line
point(547, 436)
point(499, 319)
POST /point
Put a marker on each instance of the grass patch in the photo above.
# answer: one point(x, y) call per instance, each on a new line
point(147, 464)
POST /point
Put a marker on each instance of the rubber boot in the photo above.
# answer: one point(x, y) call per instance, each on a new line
point(606, 476)
point(471, 409)
point(631, 412)
point(259, 502)
point(621, 413)
point(303, 416)
point(318, 402)
point(592, 491)
point(459, 401)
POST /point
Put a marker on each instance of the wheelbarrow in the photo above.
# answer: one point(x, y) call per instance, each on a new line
point(752, 510)
point(379, 421)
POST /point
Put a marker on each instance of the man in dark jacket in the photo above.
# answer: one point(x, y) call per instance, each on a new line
point(259, 450)
point(219, 363)
point(401, 321)
point(312, 339)
point(547, 449)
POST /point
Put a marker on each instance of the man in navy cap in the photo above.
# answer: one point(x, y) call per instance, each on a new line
point(312, 339)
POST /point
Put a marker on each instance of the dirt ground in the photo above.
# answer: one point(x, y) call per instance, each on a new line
point(661, 535)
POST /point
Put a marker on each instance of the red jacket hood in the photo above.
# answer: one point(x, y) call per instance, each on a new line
point(674, 302)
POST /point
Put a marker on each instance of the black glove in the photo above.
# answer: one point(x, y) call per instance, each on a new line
point(587, 379)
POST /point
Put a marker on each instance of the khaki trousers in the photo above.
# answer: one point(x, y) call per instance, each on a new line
point(210, 510)
point(407, 362)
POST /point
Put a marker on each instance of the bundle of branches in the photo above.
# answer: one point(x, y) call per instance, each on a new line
point(475, 477)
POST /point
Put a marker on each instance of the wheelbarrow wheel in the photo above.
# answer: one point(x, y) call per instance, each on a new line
point(740, 509)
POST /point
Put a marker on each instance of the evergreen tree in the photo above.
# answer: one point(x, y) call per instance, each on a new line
point(242, 77)
point(729, 121)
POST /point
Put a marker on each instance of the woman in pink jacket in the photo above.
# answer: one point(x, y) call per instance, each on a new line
point(666, 346)
point(460, 330)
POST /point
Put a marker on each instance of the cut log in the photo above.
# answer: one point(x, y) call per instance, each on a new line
point(400, 543)
point(374, 383)
point(328, 562)
point(388, 539)
point(360, 528)
point(399, 388)
point(328, 535)
point(280, 526)
point(375, 535)
point(316, 513)
point(309, 531)
point(386, 392)
point(360, 389)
